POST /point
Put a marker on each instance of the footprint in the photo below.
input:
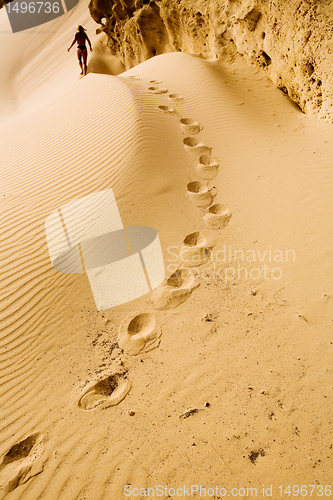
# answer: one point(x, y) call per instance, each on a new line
point(177, 288)
point(190, 126)
point(200, 194)
point(218, 216)
point(196, 149)
point(155, 82)
point(139, 334)
point(195, 250)
point(105, 392)
point(166, 109)
point(156, 90)
point(208, 167)
point(22, 462)
point(176, 98)
point(134, 77)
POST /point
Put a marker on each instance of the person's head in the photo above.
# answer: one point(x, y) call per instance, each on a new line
point(80, 28)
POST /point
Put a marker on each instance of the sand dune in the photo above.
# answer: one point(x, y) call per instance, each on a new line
point(236, 391)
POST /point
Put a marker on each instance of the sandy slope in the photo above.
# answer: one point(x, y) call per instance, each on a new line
point(259, 351)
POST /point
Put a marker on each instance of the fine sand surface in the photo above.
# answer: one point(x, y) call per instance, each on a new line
point(237, 392)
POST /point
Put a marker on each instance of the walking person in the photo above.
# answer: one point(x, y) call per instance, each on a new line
point(81, 37)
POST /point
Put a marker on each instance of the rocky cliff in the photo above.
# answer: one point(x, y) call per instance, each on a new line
point(290, 40)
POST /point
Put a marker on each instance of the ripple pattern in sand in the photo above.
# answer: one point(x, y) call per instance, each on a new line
point(123, 441)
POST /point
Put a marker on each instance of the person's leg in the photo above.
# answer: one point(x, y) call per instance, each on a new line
point(79, 56)
point(85, 56)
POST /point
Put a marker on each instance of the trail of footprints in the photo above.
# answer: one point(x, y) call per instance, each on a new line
point(140, 332)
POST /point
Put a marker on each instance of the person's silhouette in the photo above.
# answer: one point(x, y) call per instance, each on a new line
point(82, 54)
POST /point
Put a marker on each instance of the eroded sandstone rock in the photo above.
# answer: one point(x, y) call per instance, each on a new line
point(291, 41)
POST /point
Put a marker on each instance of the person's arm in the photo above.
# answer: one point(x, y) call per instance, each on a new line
point(72, 44)
point(89, 43)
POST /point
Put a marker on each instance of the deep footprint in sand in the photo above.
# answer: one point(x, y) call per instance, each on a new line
point(22, 462)
point(195, 148)
point(176, 290)
point(190, 126)
point(106, 392)
point(166, 109)
point(208, 167)
point(218, 216)
point(156, 90)
point(200, 194)
point(176, 98)
point(195, 250)
point(139, 333)
point(155, 82)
